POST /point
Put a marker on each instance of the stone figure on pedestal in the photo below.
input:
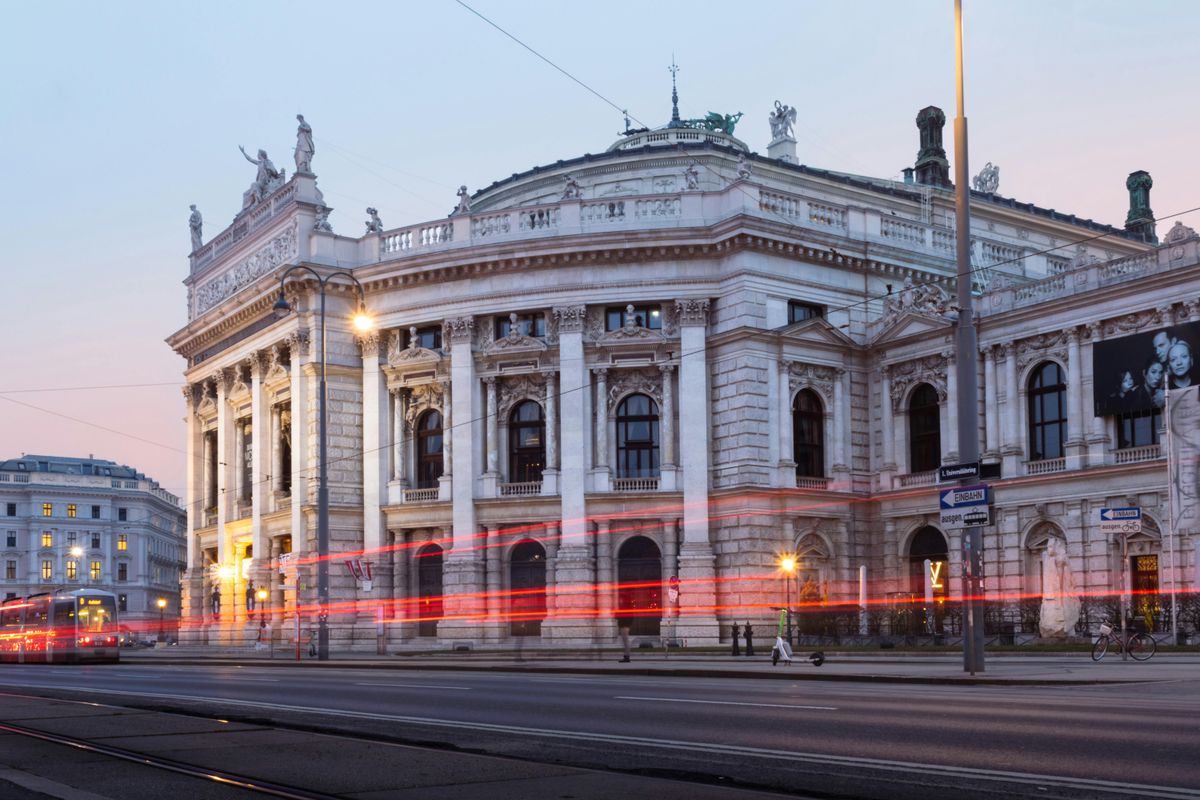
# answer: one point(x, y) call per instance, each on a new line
point(196, 224)
point(304, 146)
point(464, 201)
point(571, 189)
point(267, 174)
point(321, 223)
point(743, 167)
point(374, 224)
point(691, 176)
point(988, 179)
point(781, 119)
point(1060, 604)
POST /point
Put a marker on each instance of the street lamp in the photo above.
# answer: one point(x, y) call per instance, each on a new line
point(261, 596)
point(162, 607)
point(787, 563)
point(362, 323)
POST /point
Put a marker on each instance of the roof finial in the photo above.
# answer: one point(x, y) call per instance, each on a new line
point(675, 122)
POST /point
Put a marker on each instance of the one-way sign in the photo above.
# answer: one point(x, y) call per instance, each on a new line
point(976, 495)
point(965, 506)
point(1121, 520)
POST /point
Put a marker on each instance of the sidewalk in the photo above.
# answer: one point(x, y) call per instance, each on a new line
point(882, 666)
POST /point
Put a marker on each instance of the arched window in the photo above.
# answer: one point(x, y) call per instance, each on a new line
point(924, 430)
point(639, 586)
point(429, 449)
point(929, 544)
point(429, 589)
point(526, 443)
point(527, 580)
point(1047, 412)
point(808, 434)
point(637, 437)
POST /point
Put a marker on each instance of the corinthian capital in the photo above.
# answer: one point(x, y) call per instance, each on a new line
point(692, 311)
point(460, 329)
point(570, 319)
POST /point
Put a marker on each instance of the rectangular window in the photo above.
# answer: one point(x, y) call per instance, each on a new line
point(71, 537)
point(122, 572)
point(10, 570)
point(72, 571)
point(526, 324)
point(121, 515)
point(12, 539)
point(122, 602)
point(95, 541)
point(1138, 429)
point(47, 569)
point(47, 509)
point(71, 510)
point(95, 512)
point(95, 571)
point(633, 316)
point(798, 311)
point(122, 541)
point(47, 539)
point(11, 509)
point(429, 337)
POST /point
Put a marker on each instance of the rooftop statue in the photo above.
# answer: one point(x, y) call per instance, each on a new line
point(691, 176)
point(464, 201)
point(743, 167)
point(781, 119)
point(267, 178)
point(713, 121)
point(374, 224)
point(321, 223)
point(196, 223)
point(988, 179)
point(304, 146)
point(571, 189)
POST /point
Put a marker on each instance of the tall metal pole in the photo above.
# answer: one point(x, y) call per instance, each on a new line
point(323, 508)
point(966, 348)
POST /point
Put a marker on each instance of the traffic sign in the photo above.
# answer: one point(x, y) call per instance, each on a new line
point(960, 496)
point(673, 589)
point(965, 506)
point(958, 472)
point(1121, 520)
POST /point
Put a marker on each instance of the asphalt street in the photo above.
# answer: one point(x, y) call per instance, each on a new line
point(878, 739)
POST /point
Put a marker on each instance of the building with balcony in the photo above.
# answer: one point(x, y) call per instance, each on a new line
point(676, 358)
point(87, 522)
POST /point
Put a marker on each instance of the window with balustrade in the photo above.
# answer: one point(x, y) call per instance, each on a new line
point(72, 570)
point(429, 450)
point(526, 443)
point(1047, 412)
point(429, 337)
point(47, 569)
point(808, 434)
point(924, 430)
point(637, 316)
point(94, 570)
point(1139, 428)
point(637, 437)
point(533, 325)
point(47, 539)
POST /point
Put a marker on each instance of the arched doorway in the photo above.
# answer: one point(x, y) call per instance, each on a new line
point(527, 585)
point(429, 589)
point(929, 543)
point(639, 590)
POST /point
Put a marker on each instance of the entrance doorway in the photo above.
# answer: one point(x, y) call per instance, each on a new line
point(527, 581)
point(429, 589)
point(929, 543)
point(639, 590)
point(1143, 583)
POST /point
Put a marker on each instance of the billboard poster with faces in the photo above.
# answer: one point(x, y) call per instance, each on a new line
point(1132, 373)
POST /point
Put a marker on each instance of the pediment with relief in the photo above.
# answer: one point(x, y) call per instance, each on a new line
point(399, 356)
point(909, 325)
point(630, 333)
point(817, 330)
point(514, 342)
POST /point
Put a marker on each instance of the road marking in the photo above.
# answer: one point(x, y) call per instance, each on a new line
point(722, 703)
point(417, 686)
point(917, 770)
point(241, 679)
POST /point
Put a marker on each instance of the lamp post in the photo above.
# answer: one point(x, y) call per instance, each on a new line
point(362, 323)
point(787, 564)
point(162, 607)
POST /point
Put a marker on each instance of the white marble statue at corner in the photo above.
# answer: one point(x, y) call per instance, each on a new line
point(304, 146)
point(196, 224)
point(374, 224)
point(1060, 603)
point(321, 223)
point(266, 179)
point(571, 189)
point(464, 201)
point(782, 119)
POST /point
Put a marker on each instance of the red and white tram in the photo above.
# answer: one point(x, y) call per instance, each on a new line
point(60, 627)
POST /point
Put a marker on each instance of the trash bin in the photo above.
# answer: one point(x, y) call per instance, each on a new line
point(1008, 633)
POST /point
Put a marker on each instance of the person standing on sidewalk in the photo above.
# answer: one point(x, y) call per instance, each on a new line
point(736, 635)
point(624, 623)
point(749, 633)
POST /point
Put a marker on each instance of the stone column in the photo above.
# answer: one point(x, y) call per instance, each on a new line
point(446, 483)
point(697, 563)
point(276, 452)
point(551, 543)
point(495, 584)
point(991, 447)
point(191, 600)
point(951, 408)
point(493, 427)
point(841, 420)
point(888, 423)
point(667, 416)
point(376, 427)
point(1097, 437)
point(787, 447)
point(601, 423)
point(302, 439)
point(1075, 424)
point(550, 473)
point(670, 539)
point(605, 580)
point(401, 559)
point(259, 491)
point(210, 499)
point(892, 558)
point(226, 557)
point(399, 437)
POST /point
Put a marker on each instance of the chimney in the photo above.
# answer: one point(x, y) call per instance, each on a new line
point(932, 168)
point(1140, 219)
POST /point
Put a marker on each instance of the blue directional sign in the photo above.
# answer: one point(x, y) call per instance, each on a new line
point(1122, 514)
point(965, 506)
point(1121, 520)
point(965, 496)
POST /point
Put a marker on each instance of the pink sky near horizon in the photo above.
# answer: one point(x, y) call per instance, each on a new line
point(118, 117)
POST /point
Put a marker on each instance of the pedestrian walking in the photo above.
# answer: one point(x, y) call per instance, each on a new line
point(623, 625)
point(736, 636)
point(260, 642)
point(748, 632)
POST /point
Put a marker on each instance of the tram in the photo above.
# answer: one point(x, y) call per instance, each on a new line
point(60, 627)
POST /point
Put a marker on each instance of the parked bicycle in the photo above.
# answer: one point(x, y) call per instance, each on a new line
point(1140, 646)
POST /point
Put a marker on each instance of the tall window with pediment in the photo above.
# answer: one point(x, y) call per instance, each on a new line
point(526, 442)
point(1047, 412)
point(637, 437)
point(808, 434)
point(429, 449)
point(924, 430)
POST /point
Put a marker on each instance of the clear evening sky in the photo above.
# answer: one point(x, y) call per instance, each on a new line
point(114, 117)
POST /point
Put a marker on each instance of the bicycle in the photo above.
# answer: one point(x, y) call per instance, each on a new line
point(1140, 646)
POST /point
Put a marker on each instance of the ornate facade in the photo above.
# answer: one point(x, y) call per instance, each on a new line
point(682, 367)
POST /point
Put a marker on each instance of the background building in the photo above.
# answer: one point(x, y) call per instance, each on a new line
point(676, 358)
point(87, 522)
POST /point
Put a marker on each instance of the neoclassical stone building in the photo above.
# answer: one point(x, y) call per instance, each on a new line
point(673, 359)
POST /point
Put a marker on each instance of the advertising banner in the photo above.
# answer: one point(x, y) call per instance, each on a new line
point(1132, 373)
point(1183, 459)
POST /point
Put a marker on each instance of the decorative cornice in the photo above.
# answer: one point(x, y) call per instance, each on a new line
point(277, 251)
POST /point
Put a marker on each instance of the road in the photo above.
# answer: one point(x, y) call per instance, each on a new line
point(868, 740)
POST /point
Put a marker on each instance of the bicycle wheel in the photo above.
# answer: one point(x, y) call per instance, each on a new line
point(1141, 646)
point(1100, 648)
